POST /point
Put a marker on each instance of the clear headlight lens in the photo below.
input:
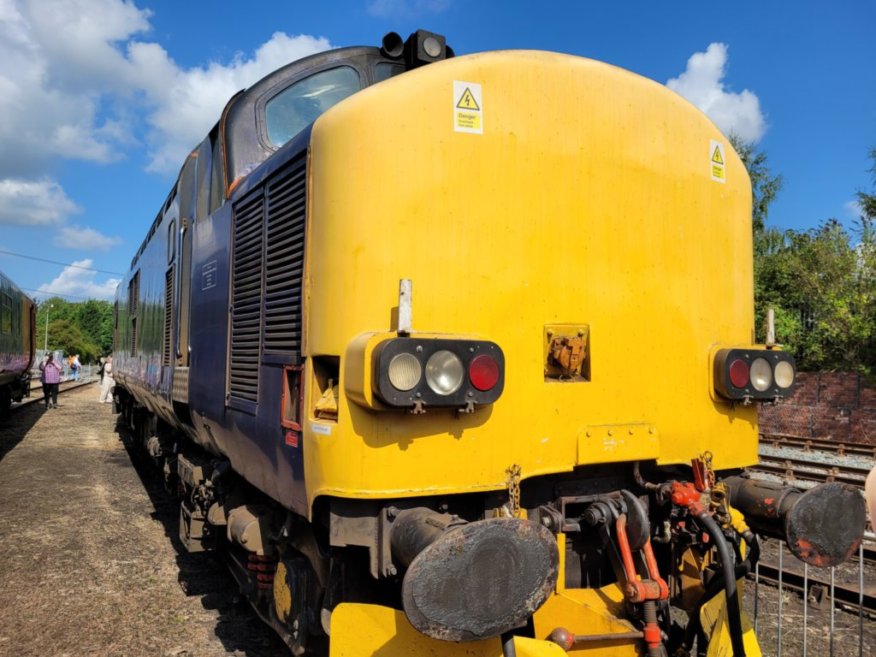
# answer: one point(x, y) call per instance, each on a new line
point(404, 371)
point(784, 374)
point(761, 374)
point(444, 372)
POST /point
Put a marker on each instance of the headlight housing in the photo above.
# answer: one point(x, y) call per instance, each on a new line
point(754, 374)
point(413, 373)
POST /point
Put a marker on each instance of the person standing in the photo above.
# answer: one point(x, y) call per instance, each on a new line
point(75, 367)
point(870, 496)
point(107, 384)
point(51, 377)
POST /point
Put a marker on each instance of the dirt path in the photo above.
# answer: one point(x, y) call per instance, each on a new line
point(92, 564)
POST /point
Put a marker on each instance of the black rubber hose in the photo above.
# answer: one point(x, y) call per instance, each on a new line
point(717, 584)
point(733, 616)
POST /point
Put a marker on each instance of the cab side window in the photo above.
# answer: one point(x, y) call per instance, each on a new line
point(217, 184)
point(5, 313)
point(299, 105)
point(202, 182)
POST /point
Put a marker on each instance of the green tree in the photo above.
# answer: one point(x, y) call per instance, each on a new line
point(85, 327)
point(69, 338)
point(823, 292)
point(821, 282)
point(53, 308)
point(764, 185)
point(866, 201)
point(95, 319)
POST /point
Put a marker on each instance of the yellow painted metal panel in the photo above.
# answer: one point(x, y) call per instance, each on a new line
point(361, 630)
point(588, 199)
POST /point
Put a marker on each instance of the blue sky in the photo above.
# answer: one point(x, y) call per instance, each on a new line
point(101, 99)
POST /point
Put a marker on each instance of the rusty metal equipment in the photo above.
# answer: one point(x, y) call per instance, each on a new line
point(823, 526)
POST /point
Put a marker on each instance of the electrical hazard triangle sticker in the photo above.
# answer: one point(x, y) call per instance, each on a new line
point(467, 101)
point(468, 113)
point(716, 165)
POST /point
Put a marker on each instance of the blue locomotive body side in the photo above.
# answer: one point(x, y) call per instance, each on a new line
point(178, 351)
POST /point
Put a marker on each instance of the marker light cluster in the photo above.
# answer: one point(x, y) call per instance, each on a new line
point(438, 372)
point(754, 374)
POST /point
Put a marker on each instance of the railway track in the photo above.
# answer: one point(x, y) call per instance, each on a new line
point(796, 459)
point(818, 587)
point(791, 469)
point(36, 393)
point(818, 445)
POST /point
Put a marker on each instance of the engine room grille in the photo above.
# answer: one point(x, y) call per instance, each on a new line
point(168, 316)
point(246, 296)
point(267, 272)
point(284, 258)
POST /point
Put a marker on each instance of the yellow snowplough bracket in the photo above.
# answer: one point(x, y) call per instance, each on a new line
point(361, 630)
point(713, 617)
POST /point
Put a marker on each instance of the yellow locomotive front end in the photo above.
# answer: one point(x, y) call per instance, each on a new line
point(586, 204)
point(586, 233)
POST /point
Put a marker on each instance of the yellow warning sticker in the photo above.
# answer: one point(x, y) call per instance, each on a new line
point(468, 112)
point(716, 161)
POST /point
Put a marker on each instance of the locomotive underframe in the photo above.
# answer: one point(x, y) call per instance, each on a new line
point(295, 573)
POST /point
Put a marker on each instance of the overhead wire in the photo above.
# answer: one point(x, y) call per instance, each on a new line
point(63, 264)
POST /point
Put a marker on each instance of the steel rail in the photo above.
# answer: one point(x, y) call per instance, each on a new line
point(841, 448)
point(847, 595)
point(820, 476)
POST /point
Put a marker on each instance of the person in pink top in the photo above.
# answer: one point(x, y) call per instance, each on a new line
point(51, 376)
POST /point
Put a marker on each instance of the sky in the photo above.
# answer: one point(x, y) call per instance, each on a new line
point(100, 100)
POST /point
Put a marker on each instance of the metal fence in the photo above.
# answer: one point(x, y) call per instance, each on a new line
point(800, 610)
point(86, 373)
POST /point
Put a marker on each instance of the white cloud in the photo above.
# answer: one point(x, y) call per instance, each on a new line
point(86, 239)
point(80, 81)
point(34, 202)
point(395, 8)
point(80, 282)
point(59, 61)
point(853, 209)
point(701, 83)
point(188, 102)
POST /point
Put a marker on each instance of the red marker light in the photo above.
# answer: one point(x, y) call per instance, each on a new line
point(739, 373)
point(483, 372)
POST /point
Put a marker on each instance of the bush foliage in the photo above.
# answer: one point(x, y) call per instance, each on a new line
point(821, 282)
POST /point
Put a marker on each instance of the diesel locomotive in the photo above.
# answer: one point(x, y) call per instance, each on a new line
point(17, 342)
point(454, 356)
